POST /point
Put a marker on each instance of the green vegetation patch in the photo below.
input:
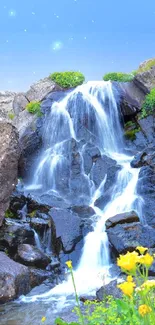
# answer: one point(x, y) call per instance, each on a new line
point(34, 107)
point(147, 66)
point(11, 115)
point(131, 134)
point(148, 106)
point(68, 79)
point(118, 76)
point(9, 214)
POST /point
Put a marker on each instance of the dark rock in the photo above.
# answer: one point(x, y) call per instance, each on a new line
point(90, 155)
point(102, 167)
point(83, 211)
point(38, 276)
point(143, 159)
point(39, 90)
point(11, 235)
point(32, 256)
point(126, 217)
point(68, 227)
point(109, 290)
point(126, 237)
point(9, 155)
point(14, 279)
point(40, 224)
point(130, 98)
point(145, 188)
point(147, 126)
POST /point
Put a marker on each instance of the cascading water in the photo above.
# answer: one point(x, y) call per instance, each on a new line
point(90, 111)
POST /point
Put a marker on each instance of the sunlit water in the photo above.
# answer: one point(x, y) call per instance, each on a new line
point(94, 105)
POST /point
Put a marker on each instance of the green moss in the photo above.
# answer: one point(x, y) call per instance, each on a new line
point(9, 214)
point(148, 66)
point(129, 124)
point(131, 134)
point(32, 214)
point(118, 76)
point(34, 108)
point(11, 115)
point(68, 79)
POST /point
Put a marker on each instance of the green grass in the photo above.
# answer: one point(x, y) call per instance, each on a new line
point(34, 107)
point(118, 76)
point(148, 106)
point(131, 134)
point(68, 79)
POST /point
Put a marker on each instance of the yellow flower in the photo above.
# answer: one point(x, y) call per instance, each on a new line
point(69, 264)
point(127, 288)
point(148, 284)
point(141, 249)
point(144, 309)
point(128, 261)
point(129, 278)
point(43, 319)
point(147, 260)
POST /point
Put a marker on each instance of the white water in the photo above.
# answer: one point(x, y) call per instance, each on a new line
point(101, 117)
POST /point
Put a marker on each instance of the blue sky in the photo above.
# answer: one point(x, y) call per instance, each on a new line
point(38, 37)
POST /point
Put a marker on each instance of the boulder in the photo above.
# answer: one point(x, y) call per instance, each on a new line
point(126, 217)
point(130, 98)
point(19, 103)
point(32, 256)
point(104, 166)
point(6, 100)
point(39, 90)
point(126, 237)
point(9, 155)
point(109, 289)
point(68, 228)
point(12, 234)
point(143, 159)
point(37, 276)
point(146, 80)
point(14, 279)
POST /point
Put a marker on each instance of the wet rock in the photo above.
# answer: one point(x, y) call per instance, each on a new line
point(14, 279)
point(32, 256)
point(126, 237)
point(102, 167)
point(109, 290)
point(126, 217)
point(40, 224)
point(13, 234)
point(6, 100)
point(68, 228)
point(90, 155)
point(145, 80)
point(147, 127)
point(9, 155)
point(38, 276)
point(83, 211)
point(143, 159)
point(145, 188)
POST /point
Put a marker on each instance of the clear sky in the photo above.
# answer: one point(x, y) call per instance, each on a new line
point(38, 37)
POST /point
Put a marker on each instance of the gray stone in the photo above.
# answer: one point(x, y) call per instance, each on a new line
point(9, 156)
point(37, 276)
point(19, 103)
point(146, 80)
point(126, 217)
point(126, 237)
point(109, 289)
point(6, 101)
point(32, 256)
point(39, 90)
point(14, 279)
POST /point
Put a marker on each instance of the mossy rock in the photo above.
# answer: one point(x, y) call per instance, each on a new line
point(68, 79)
point(118, 76)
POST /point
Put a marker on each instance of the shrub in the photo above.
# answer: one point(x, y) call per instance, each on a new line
point(118, 76)
point(34, 108)
point(131, 134)
point(137, 305)
point(68, 79)
point(148, 106)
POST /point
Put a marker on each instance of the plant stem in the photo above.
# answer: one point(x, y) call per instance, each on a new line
point(77, 298)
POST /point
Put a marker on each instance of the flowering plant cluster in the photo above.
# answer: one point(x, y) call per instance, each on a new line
point(137, 305)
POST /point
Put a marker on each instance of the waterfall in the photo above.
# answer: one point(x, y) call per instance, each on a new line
point(91, 108)
point(37, 240)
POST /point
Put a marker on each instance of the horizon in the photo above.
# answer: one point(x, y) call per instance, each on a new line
point(95, 38)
